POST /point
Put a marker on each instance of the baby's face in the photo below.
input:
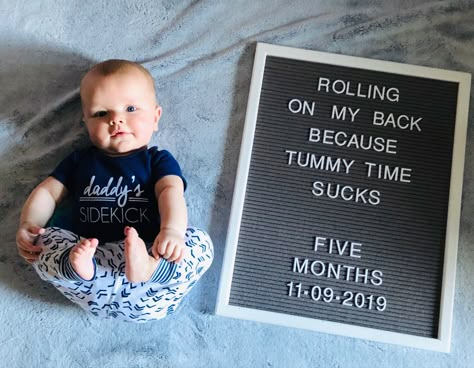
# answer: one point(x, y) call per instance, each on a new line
point(120, 111)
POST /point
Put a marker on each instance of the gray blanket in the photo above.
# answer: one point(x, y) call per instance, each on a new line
point(201, 55)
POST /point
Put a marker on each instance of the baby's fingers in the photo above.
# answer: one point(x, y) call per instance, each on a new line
point(32, 248)
point(163, 247)
point(154, 251)
point(29, 257)
point(169, 251)
point(177, 255)
point(35, 230)
point(26, 238)
point(26, 245)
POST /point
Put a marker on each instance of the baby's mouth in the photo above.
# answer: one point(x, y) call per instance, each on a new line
point(119, 134)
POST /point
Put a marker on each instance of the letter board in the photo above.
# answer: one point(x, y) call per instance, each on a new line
point(346, 205)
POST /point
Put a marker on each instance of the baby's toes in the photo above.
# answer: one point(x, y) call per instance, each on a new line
point(77, 251)
point(85, 244)
point(93, 243)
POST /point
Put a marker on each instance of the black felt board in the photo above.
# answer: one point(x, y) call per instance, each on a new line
point(402, 237)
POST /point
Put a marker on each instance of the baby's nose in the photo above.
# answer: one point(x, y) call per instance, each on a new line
point(116, 118)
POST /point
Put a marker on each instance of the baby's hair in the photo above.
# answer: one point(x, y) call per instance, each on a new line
point(114, 66)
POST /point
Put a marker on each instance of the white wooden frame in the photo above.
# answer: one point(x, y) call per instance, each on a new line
point(443, 342)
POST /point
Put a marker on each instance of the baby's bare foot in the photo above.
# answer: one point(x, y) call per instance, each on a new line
point(139, 265)
point(81, 258)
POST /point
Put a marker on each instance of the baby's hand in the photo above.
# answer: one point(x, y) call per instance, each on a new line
point(169, 244)
point(25, 238)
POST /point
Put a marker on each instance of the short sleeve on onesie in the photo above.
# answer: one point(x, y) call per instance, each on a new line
point(165, 164)
point(110, 193)
point(65, 170)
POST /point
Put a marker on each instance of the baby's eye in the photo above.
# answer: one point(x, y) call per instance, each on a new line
point(131, 108)
point(99, 114)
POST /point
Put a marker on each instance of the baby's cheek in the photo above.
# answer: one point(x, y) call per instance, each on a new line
point(97, 137)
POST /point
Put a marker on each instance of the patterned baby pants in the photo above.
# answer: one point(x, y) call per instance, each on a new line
point(109, 294)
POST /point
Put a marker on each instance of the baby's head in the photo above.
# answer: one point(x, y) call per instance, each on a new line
point(119, 106)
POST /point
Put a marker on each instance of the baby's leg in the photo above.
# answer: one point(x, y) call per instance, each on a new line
point(198, 259)
point(65, 256)
point(57, 244)
point(109, 294)
point(55, 263)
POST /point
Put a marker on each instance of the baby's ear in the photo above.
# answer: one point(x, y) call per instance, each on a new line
point(158, 112)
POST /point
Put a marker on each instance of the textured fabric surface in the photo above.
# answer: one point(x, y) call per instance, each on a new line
point(200, 54)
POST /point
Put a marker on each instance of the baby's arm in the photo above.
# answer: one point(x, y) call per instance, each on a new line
point(36, 212)
point(169, 243)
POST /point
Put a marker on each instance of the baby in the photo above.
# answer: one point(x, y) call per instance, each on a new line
point(127, 203)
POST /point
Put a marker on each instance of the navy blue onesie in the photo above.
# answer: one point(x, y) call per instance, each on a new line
point(109, 193)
